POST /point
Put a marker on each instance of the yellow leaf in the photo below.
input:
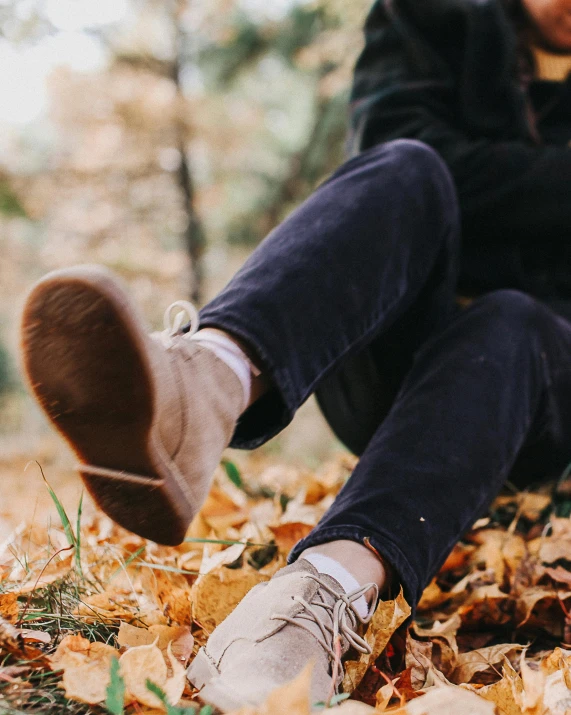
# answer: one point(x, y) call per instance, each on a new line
point(179, 637)
point(468, 664)
point(146, 662)
point(9, 607)
point(86, 668)
point(215, 595)
point(387, 618)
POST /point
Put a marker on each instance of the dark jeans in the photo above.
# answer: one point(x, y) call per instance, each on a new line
point(470, 398)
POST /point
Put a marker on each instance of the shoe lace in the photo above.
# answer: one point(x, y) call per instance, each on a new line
point(183, 324)
point(345, 618)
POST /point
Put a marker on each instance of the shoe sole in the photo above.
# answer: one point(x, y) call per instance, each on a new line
point(86, 359)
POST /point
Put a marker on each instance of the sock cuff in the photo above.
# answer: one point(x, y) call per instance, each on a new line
point(231, 354)
point(332, 567)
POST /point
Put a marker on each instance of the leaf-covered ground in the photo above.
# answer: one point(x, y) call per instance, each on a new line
point(97, 620)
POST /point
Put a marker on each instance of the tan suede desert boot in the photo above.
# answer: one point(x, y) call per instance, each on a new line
point(148, 416)
point(277, 629)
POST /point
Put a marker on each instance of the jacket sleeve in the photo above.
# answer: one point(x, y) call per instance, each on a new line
point(507, 188)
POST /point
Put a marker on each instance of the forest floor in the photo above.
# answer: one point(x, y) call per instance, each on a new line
point(97, 620)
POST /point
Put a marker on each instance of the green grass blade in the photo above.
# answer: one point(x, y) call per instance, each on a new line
point(115, 699)
point(233, 473)
point(78, 537)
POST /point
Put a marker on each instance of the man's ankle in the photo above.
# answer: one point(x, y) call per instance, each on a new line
point(242, 360)
point(360, 561)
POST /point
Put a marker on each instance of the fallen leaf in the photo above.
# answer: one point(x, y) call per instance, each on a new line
point(555, 660)
point(533, 597)
point(559, 574)
point(444, 634)
point(172, 594)
point(179, 638)
point(13, 642)
point(146, 662)
point(432, 597)
point(106, 607)
point(215, 595)
point(287, 535)
point(34, 635)
point(502, 694)
point(9, 609)
point(530, 697)
point(418, 660)
point(486, 606)
point(86, 668)
point(468, 664)
point(388, 616)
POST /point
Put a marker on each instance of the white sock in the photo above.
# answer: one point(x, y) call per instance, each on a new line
point(331, 567)
point(230, 353)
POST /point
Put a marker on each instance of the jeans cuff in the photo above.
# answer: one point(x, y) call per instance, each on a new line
point(405, 575)
point(274, 411)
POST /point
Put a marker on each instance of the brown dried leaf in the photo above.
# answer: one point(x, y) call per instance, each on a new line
point(13, 642)
point(555, 661)
point(215, 595)
point(559, 574)
point(86, 668)
point(530, 698)
point(287, 535)
point(108, 607)
point(9, 609)
point(418, 660)
point(30, 635)
point(179, 638)
point(502, 693)
point(432, 597)
point(468, 664)
point(146, 662)
point(500, 551)
point(532, 597)
point(172, 595)
point(486, 606)
point(387, 618)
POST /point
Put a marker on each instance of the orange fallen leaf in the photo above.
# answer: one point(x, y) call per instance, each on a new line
point(9, 609)
point(86, 668)
point(179, 638)
point(388, 616)
point(146, 662)
point(215, 595)
point(287, 535)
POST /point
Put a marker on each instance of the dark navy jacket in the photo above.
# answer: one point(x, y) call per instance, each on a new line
point(449, 73)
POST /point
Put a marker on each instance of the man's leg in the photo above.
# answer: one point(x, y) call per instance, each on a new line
point(490, 386)
point(375, 244)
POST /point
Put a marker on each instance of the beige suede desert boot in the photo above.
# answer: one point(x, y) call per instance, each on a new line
point(277, 629)
point(148, 416)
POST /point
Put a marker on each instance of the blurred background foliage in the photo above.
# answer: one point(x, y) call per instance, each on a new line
point(162, 138)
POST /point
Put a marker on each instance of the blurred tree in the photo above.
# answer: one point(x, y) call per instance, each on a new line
point(211, 118)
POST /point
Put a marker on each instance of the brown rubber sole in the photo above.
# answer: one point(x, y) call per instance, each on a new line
point(86, 359)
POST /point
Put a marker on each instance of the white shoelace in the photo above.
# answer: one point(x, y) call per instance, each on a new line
point(221, 345)
point(345, 618)
point(173, 326)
